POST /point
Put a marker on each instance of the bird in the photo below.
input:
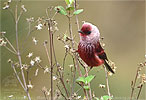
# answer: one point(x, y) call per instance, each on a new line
point(89, 47)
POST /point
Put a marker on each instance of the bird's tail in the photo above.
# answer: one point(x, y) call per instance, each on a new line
point(108, 67)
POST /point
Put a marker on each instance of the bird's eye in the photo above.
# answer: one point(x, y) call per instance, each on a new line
point(88, 32)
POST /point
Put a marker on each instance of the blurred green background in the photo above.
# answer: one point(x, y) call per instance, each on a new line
point(121, 23)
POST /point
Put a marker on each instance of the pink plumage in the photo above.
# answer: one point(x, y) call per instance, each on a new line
point(89, 47)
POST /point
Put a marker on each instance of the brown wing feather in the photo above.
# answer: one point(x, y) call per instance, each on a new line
point(102, 55)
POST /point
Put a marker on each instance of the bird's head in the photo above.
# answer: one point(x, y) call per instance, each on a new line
point(89, 31)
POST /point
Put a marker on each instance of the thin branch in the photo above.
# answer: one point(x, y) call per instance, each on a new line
point(61, 92)
point(90, 93)
point(134, 83)
point(46, 50)
point(139, 92)
point(51, 55)
point(9, 43)
point(18, 78)
point(77, 21)
point(107, 82)
point(10, 50)
point(73, 45)
point(21, 12)
point(66, 52)
point(18, 52)
point(67, 93)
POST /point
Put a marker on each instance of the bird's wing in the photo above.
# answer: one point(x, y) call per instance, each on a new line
point(102, 55)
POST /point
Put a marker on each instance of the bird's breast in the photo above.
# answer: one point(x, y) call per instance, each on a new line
point(86, 49)
point(86, 52)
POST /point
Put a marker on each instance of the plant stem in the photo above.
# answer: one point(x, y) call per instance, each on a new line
point(139, 92)
point(133, 85)
point(10, 44)
point(10, 50)
point(77, 21)
point(46, 49)
point(51, 59)
point(18, 78)
point(73, 45)
point(90, 93)
point(61, 92)
point(18, 52)
point(107, 82)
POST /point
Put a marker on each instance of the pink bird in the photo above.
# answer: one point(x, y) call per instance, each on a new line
point(89, 47)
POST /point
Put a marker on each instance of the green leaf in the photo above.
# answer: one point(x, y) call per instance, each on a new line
point(80, 79)
point(69, 2)
point(105, 97)
point(70, 8)
point(60, 10)
point(88, 79)
point(78, 11)
point(86, 87)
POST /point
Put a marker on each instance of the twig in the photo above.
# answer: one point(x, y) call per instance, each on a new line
point(90, 93)
point(10, 44)
point(107, 83)
point(67, 93)
point(74, 76)
point(77, 21)
point(66, 52)
point(18, 52)
point(10, 50)
point(51, 55)
point(72, 43)
point(61, 92)
point(139, 92)
point(46, 50)
point(18, 78)
point(134, 83)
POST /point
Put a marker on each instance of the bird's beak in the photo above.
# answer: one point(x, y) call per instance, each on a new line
point(81, 31)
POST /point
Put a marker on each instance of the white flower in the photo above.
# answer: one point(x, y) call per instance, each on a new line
point(9, 1)
point(110, 74)
point(30, 85)
point(25, 97)
point(48, 92)
point(101, 86)
point(46, 70)
point(145, 55)
point(54, 78)
point(29, 55)
point(56, 29)
point(23, 8)
point(39, 26)
point(32, 62)
point(67, 46)
point(6, 6)
point(78, 97)
point(31, 19)
point(10, 96)
point(34, 40)
point(2, 42)
point(37, 59)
